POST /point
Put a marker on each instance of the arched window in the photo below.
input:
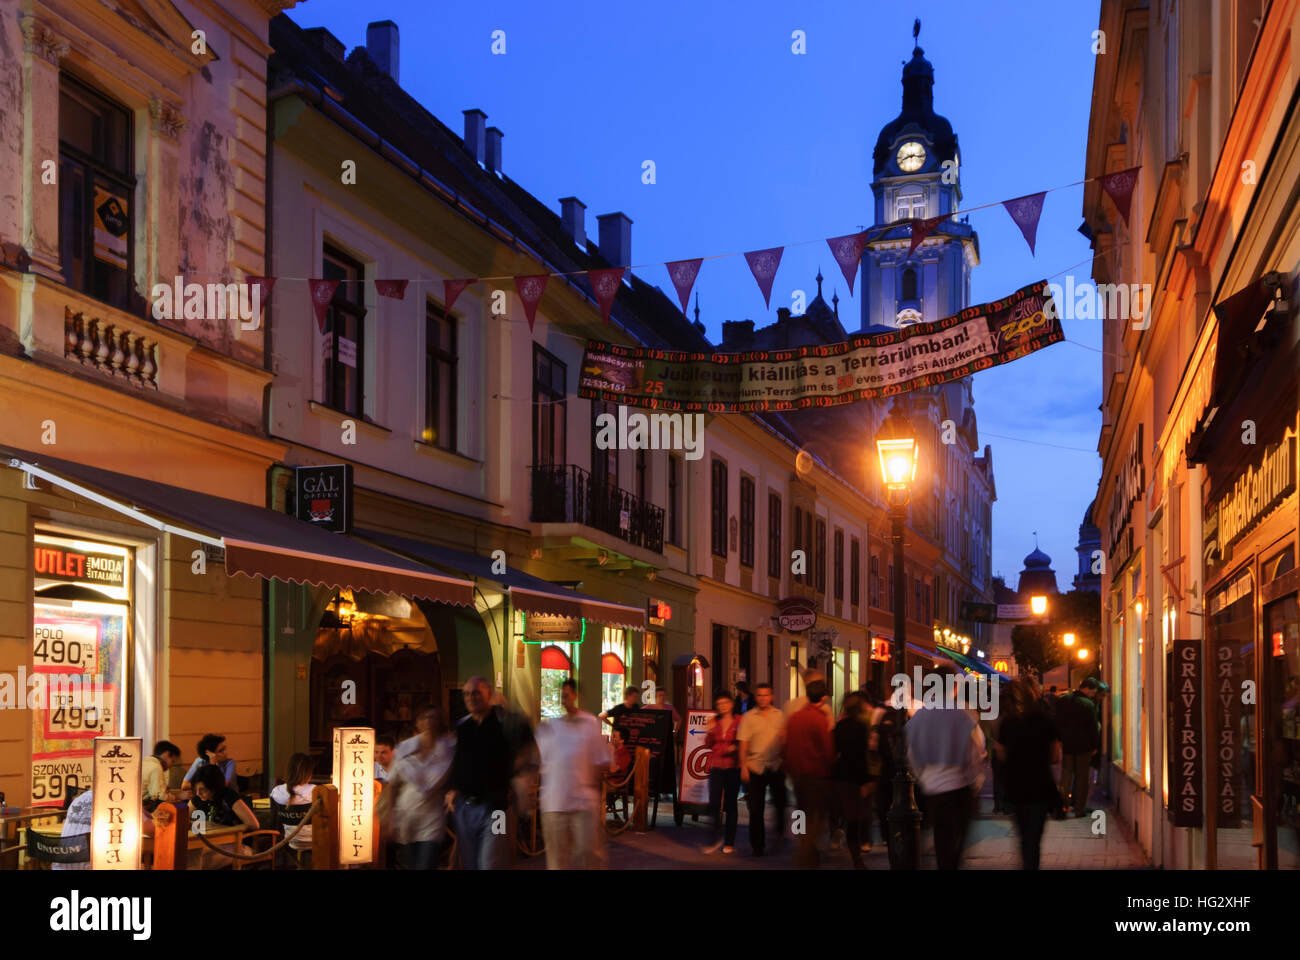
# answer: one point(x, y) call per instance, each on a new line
point(909, 205)
point(557, 666)
point(909, 284)
point(613, 666)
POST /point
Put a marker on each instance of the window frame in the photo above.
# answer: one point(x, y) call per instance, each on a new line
point(855, 572)
point(837, 564)
point(546, 401)
point(356, 309)
point(434, 355)
point(819, 543)
point(747, 508)
point(774, 563)
point(718, 503)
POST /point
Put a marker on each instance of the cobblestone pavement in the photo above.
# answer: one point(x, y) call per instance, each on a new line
point(991, 844)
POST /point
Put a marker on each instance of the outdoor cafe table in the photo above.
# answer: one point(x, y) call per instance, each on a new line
point(217, 836)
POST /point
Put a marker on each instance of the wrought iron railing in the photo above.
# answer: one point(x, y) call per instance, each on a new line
point(566, 493)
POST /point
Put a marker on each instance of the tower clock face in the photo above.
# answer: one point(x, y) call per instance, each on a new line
point(911, 156)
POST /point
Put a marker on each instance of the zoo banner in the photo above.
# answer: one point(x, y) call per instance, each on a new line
point(866, 366)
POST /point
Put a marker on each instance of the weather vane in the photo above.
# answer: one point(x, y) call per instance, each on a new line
point(916, 30)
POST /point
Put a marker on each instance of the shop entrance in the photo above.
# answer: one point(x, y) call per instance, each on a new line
point(375, 662)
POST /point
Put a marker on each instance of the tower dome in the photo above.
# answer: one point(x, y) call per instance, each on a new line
point(1037, 578)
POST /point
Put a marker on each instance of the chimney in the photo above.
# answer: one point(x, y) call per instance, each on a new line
point(381, 44)
point(573, 214)
point(737, 332)
point(475, 137)
point(616, 238)
point(493, 151)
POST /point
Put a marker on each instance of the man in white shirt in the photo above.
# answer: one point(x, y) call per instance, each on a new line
point(945, 748)
point(411, 744)
point(574, 758)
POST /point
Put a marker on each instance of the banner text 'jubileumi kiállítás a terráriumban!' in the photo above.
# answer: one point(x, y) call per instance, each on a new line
point(863, 367)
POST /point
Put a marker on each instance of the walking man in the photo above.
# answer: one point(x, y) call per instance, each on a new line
point(809, 753)
point(945, 747)
point(762, 756)
point(1076, 719)
point(574, 756)
point(481, 772)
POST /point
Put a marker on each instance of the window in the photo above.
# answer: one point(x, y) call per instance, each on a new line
point(808, 543)
point(719, 508)
point(910, 205)
point(613, 667)
point(548, 409)
point(916, 592)
point(604, 463)
point(873, 581)
point(925, 597)
point(798, 544)
point(746, 521)
point(345, 333)
point(96, 190)
point(439, 377)
point(855, 573)
point(839, 565)
point(889, 597)
point(821, 556)
point(674, 500)
point(909, 284)
point(774, 559)
point(557, 666)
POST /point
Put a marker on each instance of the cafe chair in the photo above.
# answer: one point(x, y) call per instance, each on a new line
point(258, 841)
point(42, 851)
point(616, 800)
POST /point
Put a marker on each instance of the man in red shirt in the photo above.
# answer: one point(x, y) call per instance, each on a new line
point(809, 753)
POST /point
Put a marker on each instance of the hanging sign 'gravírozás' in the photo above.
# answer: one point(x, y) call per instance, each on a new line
point(863, 367)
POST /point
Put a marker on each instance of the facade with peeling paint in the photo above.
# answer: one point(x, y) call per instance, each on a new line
point(132, 151)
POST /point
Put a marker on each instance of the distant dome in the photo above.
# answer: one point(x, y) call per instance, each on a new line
point(918, 110)
point(1038, 561)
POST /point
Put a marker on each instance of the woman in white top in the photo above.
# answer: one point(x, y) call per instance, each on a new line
point(418, 787)
point(296, 790)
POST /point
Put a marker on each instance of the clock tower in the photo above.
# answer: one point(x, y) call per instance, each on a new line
point(916, 173)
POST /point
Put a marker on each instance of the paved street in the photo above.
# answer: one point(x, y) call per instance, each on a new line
point(991, 845)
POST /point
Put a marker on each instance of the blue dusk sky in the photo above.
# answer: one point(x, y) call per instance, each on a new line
point(755, 146)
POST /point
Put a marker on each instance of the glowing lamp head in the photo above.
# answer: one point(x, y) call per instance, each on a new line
point(1068, 639)
point(1083, 653)
point(1038, 605)
point(898, 451)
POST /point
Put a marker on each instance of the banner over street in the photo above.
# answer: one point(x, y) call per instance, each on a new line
point(863, 367)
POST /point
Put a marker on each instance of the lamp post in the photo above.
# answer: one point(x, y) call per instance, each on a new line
point(898, 449)
point(1068, 640)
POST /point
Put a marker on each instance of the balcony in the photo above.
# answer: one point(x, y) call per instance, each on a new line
point(570, 494)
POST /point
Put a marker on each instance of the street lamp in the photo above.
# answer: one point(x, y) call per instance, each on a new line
point(1038, 605)
point(897, 447)
point(1068, 640)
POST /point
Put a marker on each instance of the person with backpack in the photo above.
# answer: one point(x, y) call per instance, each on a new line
point(1080, 729)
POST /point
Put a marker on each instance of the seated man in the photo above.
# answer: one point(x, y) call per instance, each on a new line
point(621, 765)
point(154, 769)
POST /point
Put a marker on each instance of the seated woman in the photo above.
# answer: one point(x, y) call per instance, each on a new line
point(222, 807)
point(77, 821)
point(297, 790)
point(212, 749)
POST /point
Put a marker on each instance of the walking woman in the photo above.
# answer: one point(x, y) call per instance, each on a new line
point(724, 773)
point(1029, 744)
point(418, 794)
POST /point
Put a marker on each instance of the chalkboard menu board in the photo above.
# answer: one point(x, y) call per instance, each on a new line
point(652, 729)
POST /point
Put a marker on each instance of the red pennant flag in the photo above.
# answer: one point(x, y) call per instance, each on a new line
point(922, 229)
point(1119, 187)
point(847, 252)
point(322, 292)
point(391, 288)
point(530, 292)
point(763, 264)
point(1025, 211)
point(264, 285)
point(451, 289)
point(604, 284)
point(683, 273)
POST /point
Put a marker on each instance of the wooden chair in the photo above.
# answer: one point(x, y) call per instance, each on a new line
point(616, 800)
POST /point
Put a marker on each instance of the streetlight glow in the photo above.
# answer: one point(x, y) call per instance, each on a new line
point(1038, 605)
point(897, 461)
point(1083, 653)
point(1068, 639)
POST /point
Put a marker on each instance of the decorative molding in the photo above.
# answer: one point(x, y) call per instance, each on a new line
point(42, 41)
point(167, 119)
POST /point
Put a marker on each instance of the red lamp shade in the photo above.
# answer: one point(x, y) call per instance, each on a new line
point(553, 658)
point(610, 663)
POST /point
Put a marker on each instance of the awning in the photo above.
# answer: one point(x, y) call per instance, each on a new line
point(528, 593)
point(931, 655)
point(975, 665)
point(258, 542)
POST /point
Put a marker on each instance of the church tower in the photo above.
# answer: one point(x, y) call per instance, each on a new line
point(916, 173)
